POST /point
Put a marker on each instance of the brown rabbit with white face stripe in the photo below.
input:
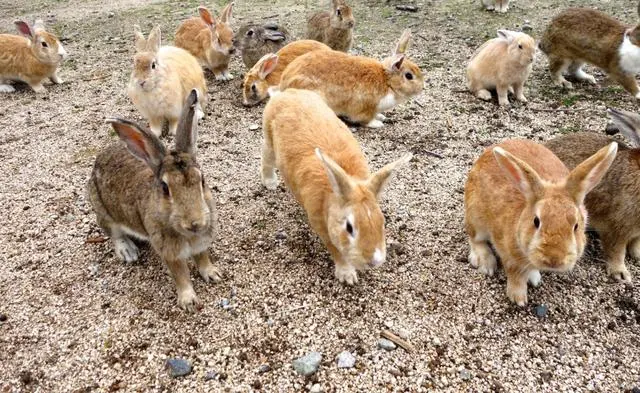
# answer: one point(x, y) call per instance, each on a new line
point(139, 190)
point(31, 58)
point(323, 166)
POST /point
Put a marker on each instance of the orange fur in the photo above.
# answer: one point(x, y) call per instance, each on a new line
point(335, 187)
point(522, 199)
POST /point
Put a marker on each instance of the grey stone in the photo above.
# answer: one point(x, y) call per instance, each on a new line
point(178, 367)
point(316, 388)
point(541, 311)
point(254, 127)
point(265, 368)
point(210, 375)
point(308, 364)
point(387, 345)
point(346, 360)
point(465, 375)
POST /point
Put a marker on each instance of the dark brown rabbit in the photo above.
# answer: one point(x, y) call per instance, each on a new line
point(334, 28)
point(139, 190)
point(614, 205)
point(256, 40)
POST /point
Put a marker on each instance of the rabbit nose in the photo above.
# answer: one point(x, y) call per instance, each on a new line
point(351, 23)
point(232, 50)
point(378, 258)
point(195, 226)
point(142, 83)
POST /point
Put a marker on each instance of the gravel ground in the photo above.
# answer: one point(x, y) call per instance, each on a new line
point(73, 318)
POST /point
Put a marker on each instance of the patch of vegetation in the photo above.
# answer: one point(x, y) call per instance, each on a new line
point(571, 100)
point(569, 129)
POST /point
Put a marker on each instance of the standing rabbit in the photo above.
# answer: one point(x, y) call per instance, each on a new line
point(323, 166)
point(161, 80)
point(504, 64)
point(254, 41)
point(580, 35)
point(208, 40)
point(267, 71)
point(358, 88)
point(141, 191)
point(614, 205)
point(496, 5)
point(32, 59)
point(520, 198)
point(334, 28)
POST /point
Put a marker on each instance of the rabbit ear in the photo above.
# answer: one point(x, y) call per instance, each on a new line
point(628, 123)
point(267, 65)
point(187, 132)
point(38, 25)
point(524, 177)
point(403, 43)
point(24, 28)
point(394, 63)
point(225, 15)
point(141, 143)
point(338, 178)
point(379, 179)
point(206, 16)
point(140, 41)
point(588, 174)
point(155, 39)
point(507, 35)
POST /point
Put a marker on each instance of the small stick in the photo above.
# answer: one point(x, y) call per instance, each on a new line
point(404, 7)
point(559, 110)
point(430, 153)
point(103, 76)
point(406, 345)
point(423, 37)
point(271, 16)
point(97, 239)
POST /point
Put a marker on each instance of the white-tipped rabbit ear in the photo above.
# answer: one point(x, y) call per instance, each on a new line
point(38, 25)
point(141, 143)
point(268, 63)
point(187, 131)
point(206, 16)
point(394, 63)
point(24, 28)
point(155, 40)
point(338, 178)
point(628, 123)
point(586, 176)
point(525, 178)
point(507, 35)
point(378, 180)
point(403, 43)
point(139, 40)
point(225, 15)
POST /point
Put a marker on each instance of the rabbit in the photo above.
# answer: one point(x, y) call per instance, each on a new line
point(334, 28)
point(358, 88)
point(139, 190)
point(496, 5)
point(209, 40)
point(613, 203)
point(30, 60)
point(504, 64)
point(266, 73)
point(161, 80)
point(323, 166)
point(520, 198)
point(580, 35)
point(254, 41)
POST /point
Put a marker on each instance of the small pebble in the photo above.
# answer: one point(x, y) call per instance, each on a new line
point(541, 311)
point(465, 375)
point(281, 235)
point(316, 388)
point(265, 368)
point(3, 317)
point(387, 345)
point(611, 129)
point(224, 302)
point(178, 367)
point(308, 364)
point(635, 390)
point(436, 342)
point(254, 127)
point(210, 375)
point(346, 360)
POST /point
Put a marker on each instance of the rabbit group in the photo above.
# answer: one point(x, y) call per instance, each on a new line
point(526, 204)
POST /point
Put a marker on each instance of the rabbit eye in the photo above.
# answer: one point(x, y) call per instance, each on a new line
point(45, 45)
point(575, 228)
point(349, 229)
point(153, 65)
point(520, 46)
point(165, 189)
point(536, 222)
point(338, 12)
point(253, 88)
point(409, 76)
point(249, 33)
point(203, 182)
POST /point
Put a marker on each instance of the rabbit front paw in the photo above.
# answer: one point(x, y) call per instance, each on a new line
point(535, 278)
point(187, 299)
point(126, 249)
point(346, 273)
point(619, 273)
point(7, 89)
point(375, 123)
point(210, 273)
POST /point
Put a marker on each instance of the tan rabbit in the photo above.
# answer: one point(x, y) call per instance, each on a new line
point(614, 205)
point(209, 40)
point(503, 64)
point(323, 166)
point(161, 80)
point(522, 199)
point(358, 88)
point(496, 5)
point(334, 28)
point(32, 59)
point(141, 191)
point(580, 35)
point(267, 71)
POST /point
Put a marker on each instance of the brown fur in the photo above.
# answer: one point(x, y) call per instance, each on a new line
point(127, 193)
point(579, 35)
point(354, 86)
point(334, 28)
point(613, 205)
point(332, 185)
point(255, 41)
point(26, 59)
point(209, 40)
point(255, 86)
point(507, 189)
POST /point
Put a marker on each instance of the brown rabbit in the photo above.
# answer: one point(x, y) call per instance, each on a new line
point(256, 40)
point(358, 88)
point(141, 191)
point(209, 40)
point(614, 205)
point(334, 28)
point(580, 35)
point(323, 166)
point(522, 199)
point(267, 71)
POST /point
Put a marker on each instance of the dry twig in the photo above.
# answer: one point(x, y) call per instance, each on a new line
point(406, 345)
